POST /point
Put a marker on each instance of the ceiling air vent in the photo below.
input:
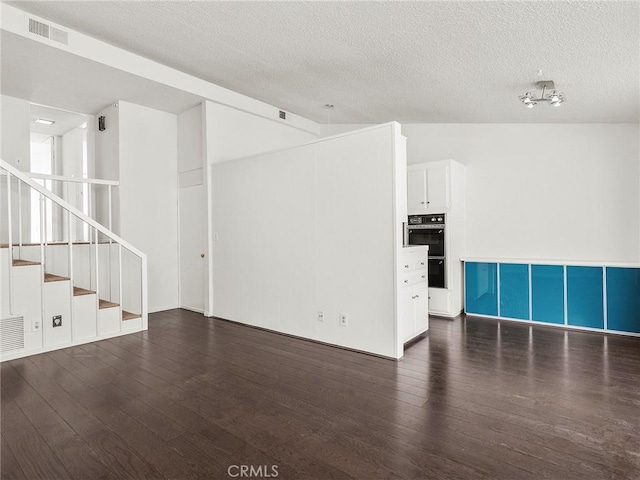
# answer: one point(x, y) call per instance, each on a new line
point(47, 31)
point(12, 334)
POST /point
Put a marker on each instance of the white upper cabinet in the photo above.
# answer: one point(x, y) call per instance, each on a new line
point(416, 191)
point(438, 189)
point(428, 188)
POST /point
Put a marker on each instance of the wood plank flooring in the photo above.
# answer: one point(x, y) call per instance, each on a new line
point(192, 397)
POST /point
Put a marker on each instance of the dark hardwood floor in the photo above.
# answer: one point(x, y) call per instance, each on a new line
point(192, 397)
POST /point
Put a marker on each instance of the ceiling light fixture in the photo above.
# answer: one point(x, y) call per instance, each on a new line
point(44, 121)
point(545, 91)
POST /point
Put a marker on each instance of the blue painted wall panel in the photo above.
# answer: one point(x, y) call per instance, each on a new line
point(547, 292)
point(514, 291)
point(623, 299)
point(585, 304)
point(481, 282)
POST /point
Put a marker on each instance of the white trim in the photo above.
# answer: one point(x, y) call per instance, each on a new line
point(577, 263)
point(36, 351)
point(498, 288)
point(530, 294)
point(61, 178)
point(565, 294)
point(604, 299)
point(556, 325)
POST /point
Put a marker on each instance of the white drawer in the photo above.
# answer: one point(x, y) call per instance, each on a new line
point(413, 261)
point(414, 278)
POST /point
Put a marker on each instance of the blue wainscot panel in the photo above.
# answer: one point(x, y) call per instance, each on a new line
point(547, 293)
point(481, 282)
point(623, 299)
point(514, 291)
point(585, 304)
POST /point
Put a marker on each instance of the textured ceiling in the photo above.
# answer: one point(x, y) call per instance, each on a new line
point(426, 61)
point(51, 76)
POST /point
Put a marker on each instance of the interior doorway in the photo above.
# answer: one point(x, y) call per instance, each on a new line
point(61, 146)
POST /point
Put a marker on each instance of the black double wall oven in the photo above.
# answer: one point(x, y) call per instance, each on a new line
point(430, 230)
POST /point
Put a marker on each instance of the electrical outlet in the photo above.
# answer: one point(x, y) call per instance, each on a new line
point(344, 319)
point(36, 325)
point(320, 316)
point(57, 321)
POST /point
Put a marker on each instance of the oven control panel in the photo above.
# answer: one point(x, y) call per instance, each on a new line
point(426, 219)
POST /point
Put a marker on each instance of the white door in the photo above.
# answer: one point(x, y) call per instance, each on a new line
point(193, 246)
point(416, 191)
point(438, 189)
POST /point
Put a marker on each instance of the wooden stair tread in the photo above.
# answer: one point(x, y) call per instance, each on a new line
point(77, 291)
point(50, 277)
point(105, 304)
point(129, 316)
point(23, 263)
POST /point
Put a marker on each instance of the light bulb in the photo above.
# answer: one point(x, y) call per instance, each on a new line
point(555, 99)
point(530, 104)
point(526, 100)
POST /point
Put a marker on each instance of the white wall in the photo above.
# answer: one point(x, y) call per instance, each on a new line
point(543, 191)
point(15, 132)
point(288, 244)
point(15, 148)
point(107, 165)
point(230, 134)
point(233, 133)
point(149, 196)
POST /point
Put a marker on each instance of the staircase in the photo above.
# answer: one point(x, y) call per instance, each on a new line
point(59, 294)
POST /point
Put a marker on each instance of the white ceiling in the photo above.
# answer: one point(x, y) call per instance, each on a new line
point(431, 61)
point(64, 121)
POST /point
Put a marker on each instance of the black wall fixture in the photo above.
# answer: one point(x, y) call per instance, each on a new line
point(101, 126)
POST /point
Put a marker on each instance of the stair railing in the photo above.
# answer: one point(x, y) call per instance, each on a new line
point(91, 183)
point(97, 229)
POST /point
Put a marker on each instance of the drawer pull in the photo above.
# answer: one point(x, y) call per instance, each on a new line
point(406, 281)
point(422, 276)
point(406, 266)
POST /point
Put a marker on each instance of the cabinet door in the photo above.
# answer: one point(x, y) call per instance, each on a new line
point(547, 293)
point(406, 317)
point(623, 299)
point(481, 288)
point(440, 301)
point(416, 191)
point(438, 189)
point(420, 310)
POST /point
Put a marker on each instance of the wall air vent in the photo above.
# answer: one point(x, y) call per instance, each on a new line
point(60, 36)
point(47, 31)
point(38, 28)
point(11, 334)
